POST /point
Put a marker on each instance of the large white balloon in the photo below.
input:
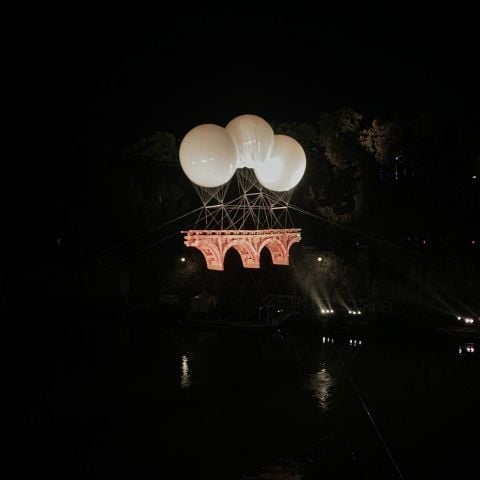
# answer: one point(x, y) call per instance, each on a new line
point(254, 139)
point(208, 155)
point(285, 166)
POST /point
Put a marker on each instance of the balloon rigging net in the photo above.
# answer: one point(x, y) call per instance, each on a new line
point(248, 206)
point(254, 213)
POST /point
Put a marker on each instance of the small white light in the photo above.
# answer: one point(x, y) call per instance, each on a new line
point(323, 339)
point(349, 312)
point(182, 259)
point(459, 349)
point(359, 312)
point(474, 177)
point(319, 259)
point(459, 318)
point(322, 310)
point(359, 342)
point(350, 342)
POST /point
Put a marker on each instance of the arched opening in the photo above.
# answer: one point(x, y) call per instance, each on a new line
point(232, 260)
point(266, 260)
point(248, 254)
point(277, 251)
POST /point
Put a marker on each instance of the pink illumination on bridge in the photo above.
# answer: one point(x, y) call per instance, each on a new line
point(214, 244)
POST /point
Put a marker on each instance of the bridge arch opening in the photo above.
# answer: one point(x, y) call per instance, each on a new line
point(232, 259)
point(248, 254)
point(277, 251)
point(266, 258)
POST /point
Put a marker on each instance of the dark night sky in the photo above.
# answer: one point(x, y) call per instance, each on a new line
point(113, 74)
point(79, 79)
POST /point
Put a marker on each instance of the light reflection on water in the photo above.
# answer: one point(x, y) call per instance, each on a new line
point(185, 380)
point(409, 370)
point(280, 470)
point(320, 384)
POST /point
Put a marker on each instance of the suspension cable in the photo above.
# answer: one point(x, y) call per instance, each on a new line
point(108, 250)
point(369, 415)
point(363, 234)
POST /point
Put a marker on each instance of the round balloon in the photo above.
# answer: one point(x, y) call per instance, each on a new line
point(208, 155)
point(285, 166)
point(254, 139)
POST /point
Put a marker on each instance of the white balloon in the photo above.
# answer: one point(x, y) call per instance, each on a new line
point(208, 155)
point(254, 139)
point(285, 167)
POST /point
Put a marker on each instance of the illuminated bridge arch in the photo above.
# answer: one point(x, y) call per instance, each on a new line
point(214, 244)
point(277, 249)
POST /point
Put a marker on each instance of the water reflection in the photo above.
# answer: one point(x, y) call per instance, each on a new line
point(279, 470)
point(185, 380)
point(320, 383)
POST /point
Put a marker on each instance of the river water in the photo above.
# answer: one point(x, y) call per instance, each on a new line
point(293, 404)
